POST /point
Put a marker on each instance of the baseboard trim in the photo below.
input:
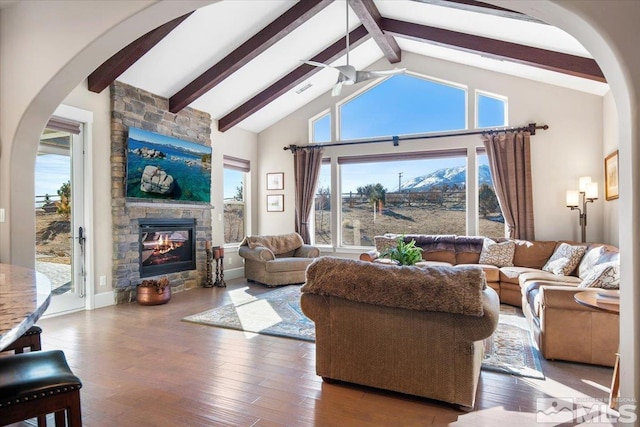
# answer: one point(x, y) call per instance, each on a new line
point(234, 273)
point(104, 299)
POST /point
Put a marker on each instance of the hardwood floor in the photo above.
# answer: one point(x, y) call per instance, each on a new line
point(142, 366)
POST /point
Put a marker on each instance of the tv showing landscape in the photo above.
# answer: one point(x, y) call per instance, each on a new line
point(163, 167)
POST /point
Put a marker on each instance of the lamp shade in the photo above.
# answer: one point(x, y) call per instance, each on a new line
point(591, 191)
point(573, 198)
point(583, 182)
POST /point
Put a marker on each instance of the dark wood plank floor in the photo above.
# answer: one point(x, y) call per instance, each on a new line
point(142, 366)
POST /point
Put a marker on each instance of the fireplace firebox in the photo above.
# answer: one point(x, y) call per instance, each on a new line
point(166, 245)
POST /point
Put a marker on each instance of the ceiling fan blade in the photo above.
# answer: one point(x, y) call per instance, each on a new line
point(362, 76)
point(337, 89)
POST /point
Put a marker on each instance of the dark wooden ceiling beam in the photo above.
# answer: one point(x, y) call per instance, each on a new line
point(260, 42)
point(111, 69)
point(370, 17)
point(288, 82)
point(481, 7)
point(536, 57)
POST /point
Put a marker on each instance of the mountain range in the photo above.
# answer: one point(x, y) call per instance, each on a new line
point(448, 176)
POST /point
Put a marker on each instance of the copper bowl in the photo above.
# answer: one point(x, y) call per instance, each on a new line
point(150, 295)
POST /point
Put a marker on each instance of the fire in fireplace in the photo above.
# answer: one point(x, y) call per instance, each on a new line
point(166, 245)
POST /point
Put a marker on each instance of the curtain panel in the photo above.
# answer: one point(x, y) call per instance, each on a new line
point(509, 155)
point(306, 167)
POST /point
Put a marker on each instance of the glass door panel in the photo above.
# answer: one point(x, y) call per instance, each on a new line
point(58, 204)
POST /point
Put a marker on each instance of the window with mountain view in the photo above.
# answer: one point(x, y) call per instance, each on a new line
point(418, 192)
point(402, 198)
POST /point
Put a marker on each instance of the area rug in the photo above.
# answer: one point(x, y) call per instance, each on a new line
point(510, 349)
point(275, 312)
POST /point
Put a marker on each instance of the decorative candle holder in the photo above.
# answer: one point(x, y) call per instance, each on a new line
point(216, 257)
point(220, 279)
point(208, 281)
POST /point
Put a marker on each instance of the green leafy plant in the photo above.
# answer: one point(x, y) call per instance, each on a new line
point(405, 253)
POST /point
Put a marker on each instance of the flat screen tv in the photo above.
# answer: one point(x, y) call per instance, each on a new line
point(163, 167)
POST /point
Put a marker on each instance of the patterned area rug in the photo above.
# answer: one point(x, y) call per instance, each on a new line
point(275, 312)
point(510, 350)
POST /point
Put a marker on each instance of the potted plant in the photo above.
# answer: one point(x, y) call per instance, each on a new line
point(153, 292)
point(404, 253)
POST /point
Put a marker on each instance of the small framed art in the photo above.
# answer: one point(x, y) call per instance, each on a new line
point(611, 176)
point(275, 203)
point(275, 181)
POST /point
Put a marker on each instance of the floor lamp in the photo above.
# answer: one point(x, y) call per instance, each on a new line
point(589, 192)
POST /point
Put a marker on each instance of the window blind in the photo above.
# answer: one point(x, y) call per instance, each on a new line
point(56, 123)
point(236, 163)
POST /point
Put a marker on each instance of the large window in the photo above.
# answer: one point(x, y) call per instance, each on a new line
point(490, 219)
point(321, 128)
point(235, 209)
point(491, 110)
point(422, 195)
point(322, 224)
point(404, 104)
point(423, 191)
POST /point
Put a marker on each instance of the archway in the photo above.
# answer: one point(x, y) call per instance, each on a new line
point(603, 31)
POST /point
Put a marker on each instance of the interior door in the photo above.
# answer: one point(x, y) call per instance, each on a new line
point(60, 231)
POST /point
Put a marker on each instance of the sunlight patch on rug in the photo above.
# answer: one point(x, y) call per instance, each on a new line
point(275, 313)
point(509, 350)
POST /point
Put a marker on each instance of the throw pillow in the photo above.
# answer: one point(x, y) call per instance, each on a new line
point(605, 276)
point(589, 260)
point(565, 259)
point(498, 254)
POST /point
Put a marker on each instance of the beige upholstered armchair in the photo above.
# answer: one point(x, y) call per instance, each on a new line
point(276, 260)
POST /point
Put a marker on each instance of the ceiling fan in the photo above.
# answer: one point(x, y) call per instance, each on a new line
point(348, 73)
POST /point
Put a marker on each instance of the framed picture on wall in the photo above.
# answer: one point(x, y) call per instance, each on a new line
point(275, 203)
point(275, 181)
point(611, 176)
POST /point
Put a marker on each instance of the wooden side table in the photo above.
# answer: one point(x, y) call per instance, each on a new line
point(589, 299)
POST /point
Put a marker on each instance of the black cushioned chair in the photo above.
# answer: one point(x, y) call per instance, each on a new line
point(30, 340)
point(38, 383)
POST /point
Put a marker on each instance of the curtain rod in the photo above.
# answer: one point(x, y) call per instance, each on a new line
point(531, 128)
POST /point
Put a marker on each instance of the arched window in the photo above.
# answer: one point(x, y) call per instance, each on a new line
point(404, 104)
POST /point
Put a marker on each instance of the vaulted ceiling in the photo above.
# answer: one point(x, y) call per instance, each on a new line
point(241, 60)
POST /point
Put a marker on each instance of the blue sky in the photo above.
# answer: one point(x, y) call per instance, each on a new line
point(143, 135)
point(52, 170)
point(403, 104)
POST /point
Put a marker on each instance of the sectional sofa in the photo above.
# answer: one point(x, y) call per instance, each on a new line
point(562, 328)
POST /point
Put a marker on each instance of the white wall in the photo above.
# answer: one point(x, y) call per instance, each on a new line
point(610, 144)
point(242, 144)
point(572, 147)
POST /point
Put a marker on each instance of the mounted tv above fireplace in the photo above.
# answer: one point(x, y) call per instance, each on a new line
point(166, 245)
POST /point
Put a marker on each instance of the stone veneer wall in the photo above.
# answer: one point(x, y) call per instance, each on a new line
point(133, 107)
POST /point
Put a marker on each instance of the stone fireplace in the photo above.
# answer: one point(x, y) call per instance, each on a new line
point(133, 107)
